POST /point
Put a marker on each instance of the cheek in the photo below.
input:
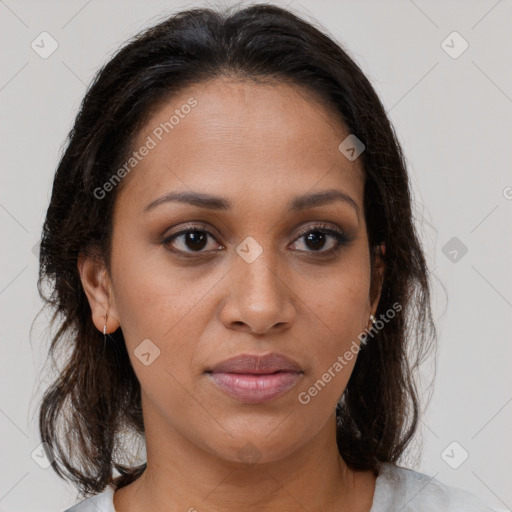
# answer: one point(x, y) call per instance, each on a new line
point(339, 298)
point(338, 311)
point(147, 307)
point(152, 297)
point(332, 359)
point(158, 312)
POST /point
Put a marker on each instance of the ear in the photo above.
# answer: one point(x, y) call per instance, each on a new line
point(378, 269)
point(98, 288)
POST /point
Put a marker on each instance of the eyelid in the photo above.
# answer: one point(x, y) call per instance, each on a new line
point(198, 225)
point(341, 238)
point(322, 225)
point(169, 237)
point(330, 229)
point(191, 226)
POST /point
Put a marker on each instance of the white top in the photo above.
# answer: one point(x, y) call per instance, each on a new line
point(396, 488)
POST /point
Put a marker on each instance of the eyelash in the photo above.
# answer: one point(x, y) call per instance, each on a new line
point(326, 229)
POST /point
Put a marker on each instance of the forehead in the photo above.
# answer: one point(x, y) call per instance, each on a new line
point(244, 140)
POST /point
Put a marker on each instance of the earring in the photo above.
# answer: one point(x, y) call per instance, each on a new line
point(105, 329)
point(373, 319)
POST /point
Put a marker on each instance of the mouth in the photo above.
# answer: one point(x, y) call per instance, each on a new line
point(255, 387)
point(256, 378)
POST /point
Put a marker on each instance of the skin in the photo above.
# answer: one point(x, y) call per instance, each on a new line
point(259, 146)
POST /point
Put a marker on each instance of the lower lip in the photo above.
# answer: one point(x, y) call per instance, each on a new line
point(255, 389)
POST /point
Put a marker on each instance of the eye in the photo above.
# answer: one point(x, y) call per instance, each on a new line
point(317, 237)
point(192, 239)
point(195, 239)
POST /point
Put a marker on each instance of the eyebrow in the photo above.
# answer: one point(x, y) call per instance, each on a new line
point(212, 202)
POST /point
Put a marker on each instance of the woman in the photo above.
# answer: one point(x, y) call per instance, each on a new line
point(231, 252)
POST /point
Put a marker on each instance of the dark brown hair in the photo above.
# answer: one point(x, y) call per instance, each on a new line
point(96, 396)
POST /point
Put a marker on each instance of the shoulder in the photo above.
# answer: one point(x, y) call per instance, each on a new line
point(103, 502)
point(399, 488)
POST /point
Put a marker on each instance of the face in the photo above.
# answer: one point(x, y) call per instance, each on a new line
point(256, 269)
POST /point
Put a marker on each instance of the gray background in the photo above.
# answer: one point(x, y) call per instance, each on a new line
point(453, 117)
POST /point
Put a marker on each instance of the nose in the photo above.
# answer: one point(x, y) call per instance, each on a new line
point(260, 299)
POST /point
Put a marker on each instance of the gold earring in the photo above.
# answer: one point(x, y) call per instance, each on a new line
point(373, 319)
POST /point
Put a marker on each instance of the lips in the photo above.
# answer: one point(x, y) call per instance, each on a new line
point(257, 364)
point(255, 379)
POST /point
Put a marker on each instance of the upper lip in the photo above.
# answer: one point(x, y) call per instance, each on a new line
point(257, 364)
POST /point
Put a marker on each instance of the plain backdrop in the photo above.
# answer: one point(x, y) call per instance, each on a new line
point(451, 108)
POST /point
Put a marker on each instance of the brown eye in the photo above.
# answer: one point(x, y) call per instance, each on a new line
point(317, 237)
point(190, 240)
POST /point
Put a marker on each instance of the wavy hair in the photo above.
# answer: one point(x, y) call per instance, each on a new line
point(95, 399)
